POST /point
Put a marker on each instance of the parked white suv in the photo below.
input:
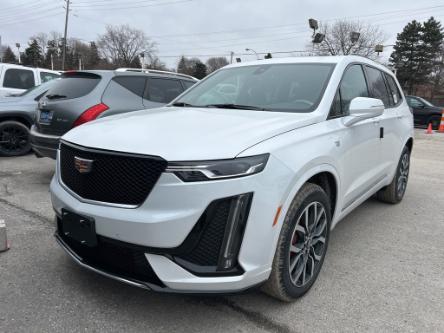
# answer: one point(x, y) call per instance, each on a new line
point(222, 192)
point(16, 79)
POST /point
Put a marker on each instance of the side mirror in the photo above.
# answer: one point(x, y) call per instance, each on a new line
point(362, 108)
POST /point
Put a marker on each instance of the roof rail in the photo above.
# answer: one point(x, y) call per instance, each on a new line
point(154, 71)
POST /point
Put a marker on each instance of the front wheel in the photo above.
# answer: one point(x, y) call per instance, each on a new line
point(394, 192)
point(302, 245)
point(14, 139)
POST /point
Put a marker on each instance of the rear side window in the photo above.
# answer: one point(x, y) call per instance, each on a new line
point(377, 85)
point(395, 95)
point(18, 78)
point(162, 90)
point(45, 76)
point(73, 86)
point(188, 84)
point(135, 84)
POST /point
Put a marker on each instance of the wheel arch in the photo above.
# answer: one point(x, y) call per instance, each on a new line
point(19, 118)
point(409, 144)
point(324, 175)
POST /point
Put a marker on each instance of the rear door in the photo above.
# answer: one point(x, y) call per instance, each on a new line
point(161, 91)
point(66, 100)
point(388, 121)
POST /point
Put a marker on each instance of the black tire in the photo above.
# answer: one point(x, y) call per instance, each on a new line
point(283, 284)
point(14, 138)
point(435, 121)
point(394, 192)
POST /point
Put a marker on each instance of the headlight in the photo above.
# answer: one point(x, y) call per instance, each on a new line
point(198, 171)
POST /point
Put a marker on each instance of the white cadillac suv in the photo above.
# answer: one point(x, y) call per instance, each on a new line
point(238, 182)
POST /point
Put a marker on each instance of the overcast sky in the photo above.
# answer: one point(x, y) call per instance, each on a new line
point(208, 27)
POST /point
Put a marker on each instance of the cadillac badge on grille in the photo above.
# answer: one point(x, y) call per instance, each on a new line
point(83, 165)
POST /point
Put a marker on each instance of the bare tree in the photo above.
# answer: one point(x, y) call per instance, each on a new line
point(153, 62)
point(338, 40)
point(122, 44)
point(215, 63)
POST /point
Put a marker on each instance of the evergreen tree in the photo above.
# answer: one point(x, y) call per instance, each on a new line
point(200, 70)
point(407, 56)
point(33, 55)
point(433, 52)
point(9, 56)
point(182, 65)
point(136, 63)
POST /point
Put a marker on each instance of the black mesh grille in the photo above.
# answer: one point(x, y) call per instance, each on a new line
point(213, 223)
point(114, 178)
point(115, 257)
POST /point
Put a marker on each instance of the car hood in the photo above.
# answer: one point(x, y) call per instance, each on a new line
point(179, 134)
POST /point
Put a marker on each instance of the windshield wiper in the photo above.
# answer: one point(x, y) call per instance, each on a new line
point(182, 104)
point(235, 106)
point(55, 96)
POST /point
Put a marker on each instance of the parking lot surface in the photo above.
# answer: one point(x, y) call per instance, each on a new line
point(384, 270)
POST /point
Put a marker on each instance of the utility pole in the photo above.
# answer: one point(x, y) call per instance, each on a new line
point(64, 36)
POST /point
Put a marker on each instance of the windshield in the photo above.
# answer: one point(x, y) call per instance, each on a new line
point(269, 87)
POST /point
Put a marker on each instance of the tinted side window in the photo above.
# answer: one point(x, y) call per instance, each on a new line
point(162, 90)
point(393, 89)
point(45, 76)
point(74, 85)
point(188, 84)
point(19, 78)
point(377, 85)
point(353, 85)
point(135, 84)
point(414, 103)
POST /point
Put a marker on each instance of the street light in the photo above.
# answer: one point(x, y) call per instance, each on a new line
point(17, 45)
point(251, 50)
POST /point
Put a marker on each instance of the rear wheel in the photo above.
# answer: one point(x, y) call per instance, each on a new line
point(14, 138)
point(302, 245)
point(394, 192)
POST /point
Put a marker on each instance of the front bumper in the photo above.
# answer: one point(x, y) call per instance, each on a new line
point(168, 216)
point(44, 145)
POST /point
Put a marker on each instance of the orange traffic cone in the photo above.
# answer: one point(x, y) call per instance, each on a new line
point(429, 129)
point(441, 126)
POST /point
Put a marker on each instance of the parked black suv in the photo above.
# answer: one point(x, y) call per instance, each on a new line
point(82, 96)
point(424, 112)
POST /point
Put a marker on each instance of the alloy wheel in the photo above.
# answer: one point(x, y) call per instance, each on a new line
point(307, 246)
point(403, 175)
point(13, 139)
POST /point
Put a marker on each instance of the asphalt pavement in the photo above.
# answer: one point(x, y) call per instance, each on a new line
point(384, 270)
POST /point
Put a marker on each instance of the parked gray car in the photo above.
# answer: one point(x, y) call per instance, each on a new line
point(82, 96)
point(17, 114)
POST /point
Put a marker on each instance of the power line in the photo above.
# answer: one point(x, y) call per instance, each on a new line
point(134, 7)
point(91, 4)
point(34, 18)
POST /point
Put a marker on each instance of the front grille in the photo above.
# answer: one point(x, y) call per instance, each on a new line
point(114, 178)
point(117, 258)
